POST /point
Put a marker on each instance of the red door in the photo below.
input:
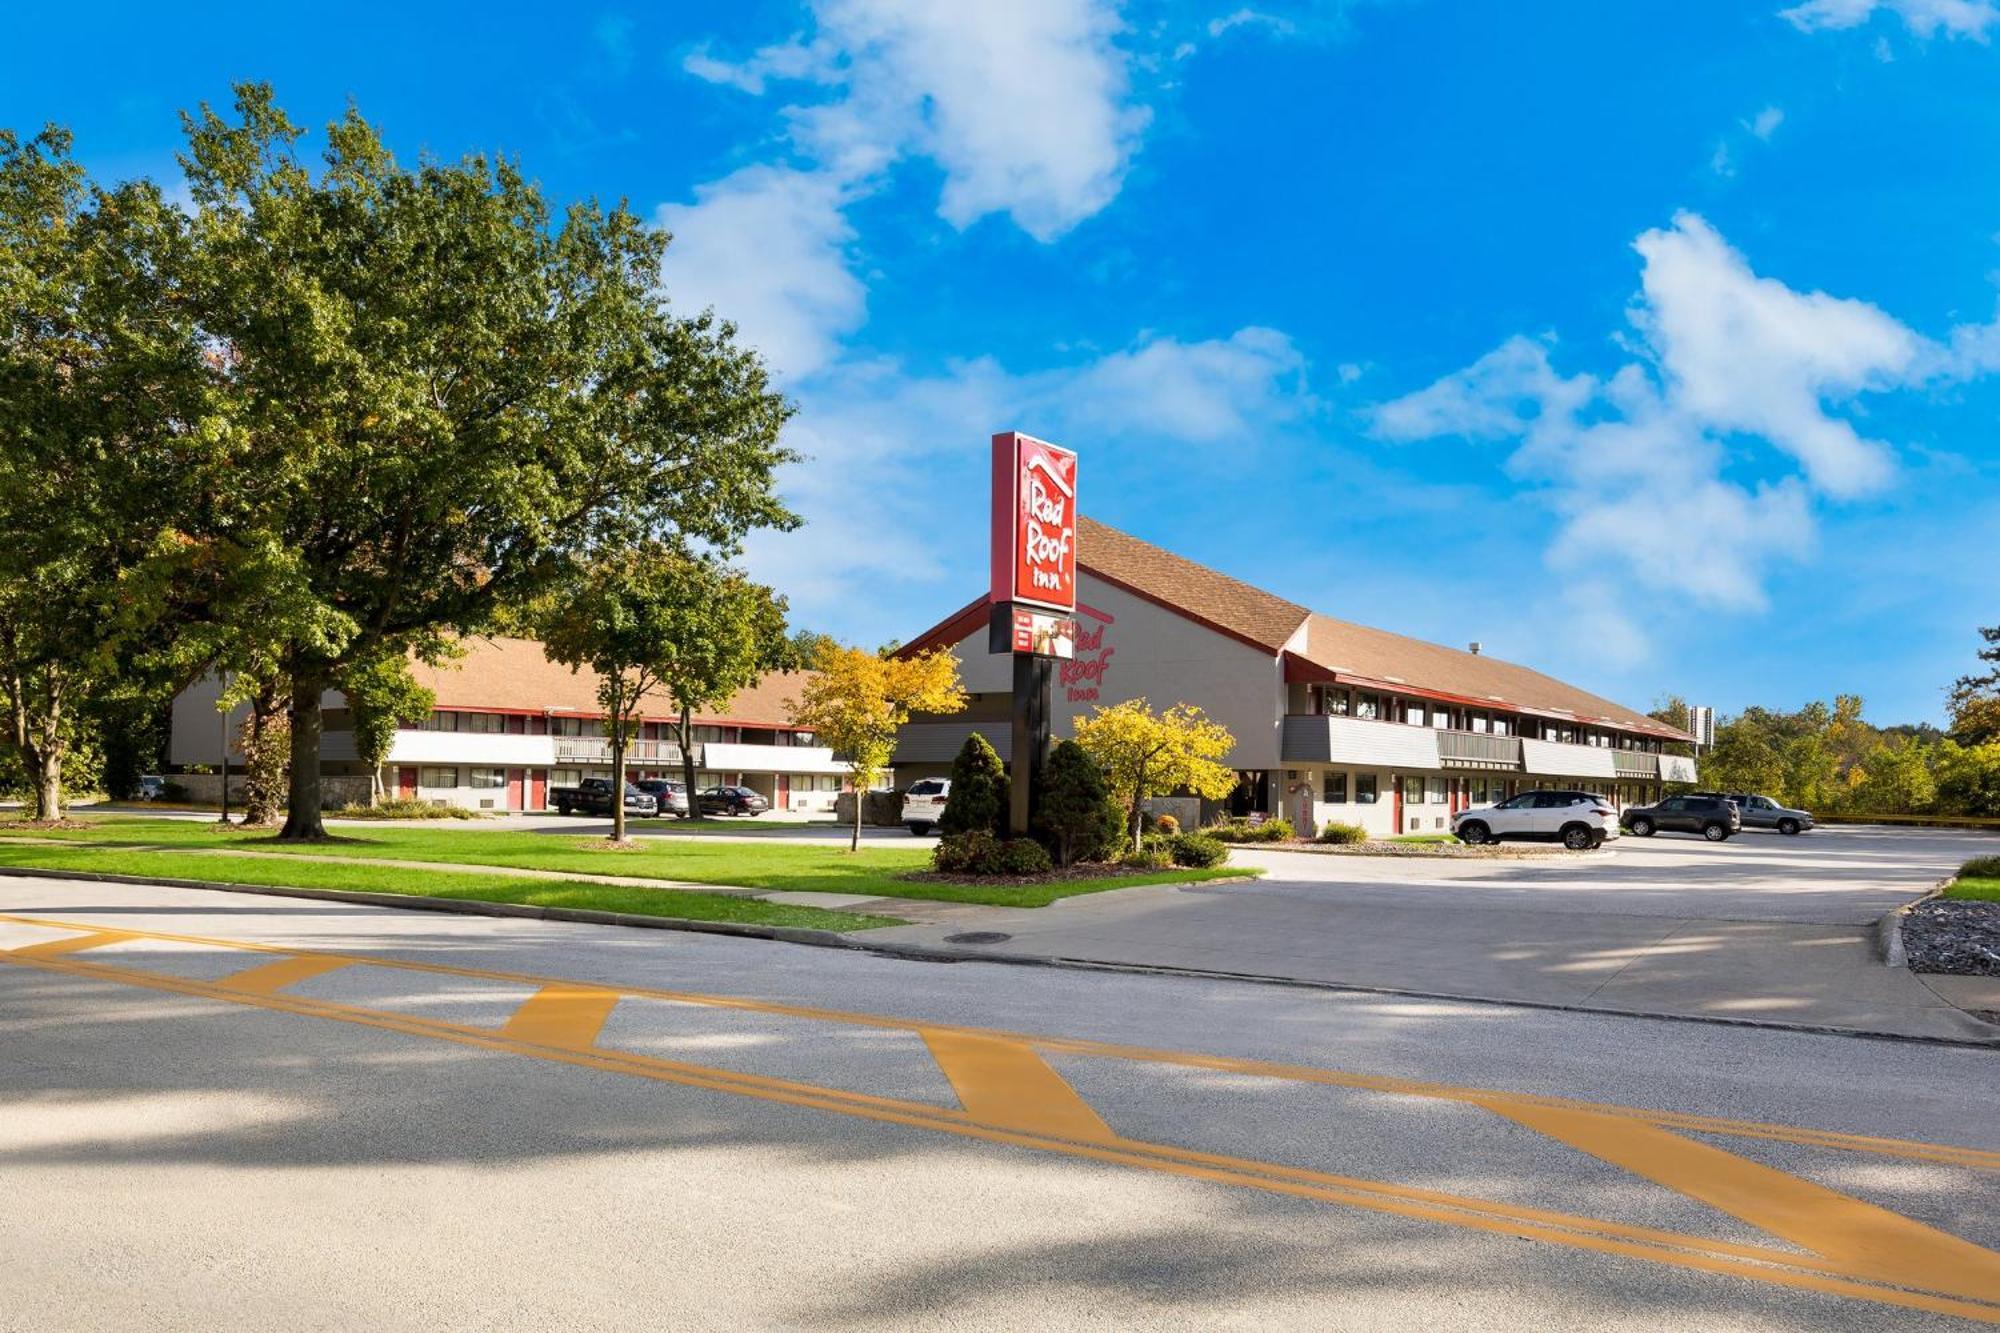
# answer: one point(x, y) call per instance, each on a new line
point(406, 783)
point(538, 789)
point(1399, 803)
point(515, 781)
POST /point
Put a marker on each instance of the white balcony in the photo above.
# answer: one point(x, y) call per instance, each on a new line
point(1559, 760)
point(736, 757)
point(481, 748)
point(1640, 764)
point(1312, 738)
point(588, 751)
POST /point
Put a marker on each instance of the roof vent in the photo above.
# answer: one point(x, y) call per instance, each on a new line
point(1473, 647)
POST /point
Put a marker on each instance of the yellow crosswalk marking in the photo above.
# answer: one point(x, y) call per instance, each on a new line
point(268, 978)
point(1866, 1241)
point(1004, 1083)
point(568, 1016)
point(74, 944)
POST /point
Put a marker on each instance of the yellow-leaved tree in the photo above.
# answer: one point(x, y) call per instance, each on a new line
point(857, 701)
point(1144, 754)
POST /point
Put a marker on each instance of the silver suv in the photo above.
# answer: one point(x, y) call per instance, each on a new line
point(1579, 820)
point(923, 805)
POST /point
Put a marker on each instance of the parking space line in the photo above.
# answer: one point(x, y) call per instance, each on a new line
point(562, 1016)
point(1005, 1083)
point(1666, 1247)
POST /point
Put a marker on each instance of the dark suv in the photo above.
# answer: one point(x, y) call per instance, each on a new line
point(1763, 812)
point(1714, 817)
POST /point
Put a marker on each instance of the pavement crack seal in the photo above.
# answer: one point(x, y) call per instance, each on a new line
point(1010, 1096)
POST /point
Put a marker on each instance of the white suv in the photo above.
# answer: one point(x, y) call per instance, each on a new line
point(1576, 819)
point(923, 804)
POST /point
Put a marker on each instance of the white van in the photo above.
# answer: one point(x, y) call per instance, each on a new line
point(923, 805)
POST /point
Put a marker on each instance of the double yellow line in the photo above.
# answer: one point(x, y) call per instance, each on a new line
point(1010, 1095)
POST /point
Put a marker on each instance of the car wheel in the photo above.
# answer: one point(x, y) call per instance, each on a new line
point(1472, 833)
point(917, 830)
point(1642, 828)
point(1715, 832)
point(1788, 826)
point(1576, 837)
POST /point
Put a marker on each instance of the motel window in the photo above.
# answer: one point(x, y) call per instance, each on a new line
point(1479, 722)
point(439, 721)
point(1364, 789)
point(437, 777)
point(1500, 726)
point(1413, 715)
point(481, 722)
point(487, 779)
point(1335, 702)
point(1333, 789)
point(1437, 791)
point(565, 777)
point(1366, 705)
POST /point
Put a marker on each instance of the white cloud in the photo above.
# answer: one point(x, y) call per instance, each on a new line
point(1765, 123)
point(897, 461)
point(1643, 468)
point(767, 248)
point(1956, 18)
point(1025, 106)
point(1248, 18)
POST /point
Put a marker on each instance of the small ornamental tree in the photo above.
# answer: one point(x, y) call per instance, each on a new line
point(978, 798)
point(382, 697)
point(1075, 814)
point(857, 701)
point(1146, 754)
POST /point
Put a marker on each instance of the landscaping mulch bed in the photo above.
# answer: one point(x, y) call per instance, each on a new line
point(1081, 870)
point(1953, 937)
point(1435, 850)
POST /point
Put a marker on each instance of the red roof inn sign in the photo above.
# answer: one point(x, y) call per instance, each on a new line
point(1034, 523)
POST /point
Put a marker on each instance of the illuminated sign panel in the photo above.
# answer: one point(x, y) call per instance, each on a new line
point(1034, 522)
point(1042, 634)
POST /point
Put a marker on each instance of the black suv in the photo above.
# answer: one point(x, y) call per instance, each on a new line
point(1714, 817)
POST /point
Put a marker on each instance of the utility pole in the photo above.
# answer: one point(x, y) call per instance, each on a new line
point(225, 758)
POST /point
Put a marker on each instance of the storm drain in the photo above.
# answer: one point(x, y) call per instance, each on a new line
point(978, 937)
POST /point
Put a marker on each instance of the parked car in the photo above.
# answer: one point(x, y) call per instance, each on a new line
point(592, 796)
point(1713, 817)
point(1763, 812)
point(152, 787)
point(732, 801)
point(1579, 820)
point(923, 805)
point(670, 796)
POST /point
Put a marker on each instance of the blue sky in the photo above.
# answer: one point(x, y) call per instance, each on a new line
point(1652, 344)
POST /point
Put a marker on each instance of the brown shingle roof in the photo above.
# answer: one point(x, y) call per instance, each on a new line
point(1358, 650)
point(515, 675)
point(1228, 604)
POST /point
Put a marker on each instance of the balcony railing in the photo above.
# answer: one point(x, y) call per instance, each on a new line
point(1636, 764)
point(1478, 749)
point(597, 750)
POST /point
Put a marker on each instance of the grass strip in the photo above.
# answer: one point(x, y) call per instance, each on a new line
point(468, 885)
point(1978, 881)
point(797, 866)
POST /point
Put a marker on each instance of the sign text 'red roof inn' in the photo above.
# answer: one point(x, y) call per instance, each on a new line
point(1034, 522)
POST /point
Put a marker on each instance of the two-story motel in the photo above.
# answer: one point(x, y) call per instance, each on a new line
point(509, 724)
point(1333, 721)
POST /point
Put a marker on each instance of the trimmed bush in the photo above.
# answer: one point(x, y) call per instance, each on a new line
point(404, 807)
point(978, 799)
point(980, 853)
point(1345, 834)
point(965, 853)
point(1147, 858)
point(1075, 815)
point(1196, 850)
point(1168, 825)
point(1242, 830)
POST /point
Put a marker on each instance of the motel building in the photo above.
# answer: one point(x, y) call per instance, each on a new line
point(1334, 722)
point(509, 724)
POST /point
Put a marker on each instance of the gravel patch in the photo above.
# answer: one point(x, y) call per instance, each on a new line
point(1959, 938)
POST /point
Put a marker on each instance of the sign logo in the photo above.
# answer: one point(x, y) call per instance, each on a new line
point(1034, 522)
point(1082, 676)
point(1042, 634)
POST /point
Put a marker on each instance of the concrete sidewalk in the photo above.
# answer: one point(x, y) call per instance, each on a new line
point(1754, 932)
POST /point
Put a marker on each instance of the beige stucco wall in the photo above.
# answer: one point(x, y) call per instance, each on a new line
point(1150, 652)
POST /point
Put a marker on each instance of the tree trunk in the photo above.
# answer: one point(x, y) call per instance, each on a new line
point(1138, 806)
point(859, 797)
point(375, 785)
point(39, 739)
point(618, 782)
point(48, 782)
point(261, 778)
point(687, 759)
point(302, 815)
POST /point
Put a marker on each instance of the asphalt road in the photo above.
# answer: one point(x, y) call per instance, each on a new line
point(226, 1111)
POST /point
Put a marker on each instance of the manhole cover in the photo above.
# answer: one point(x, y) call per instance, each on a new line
point(978, 937)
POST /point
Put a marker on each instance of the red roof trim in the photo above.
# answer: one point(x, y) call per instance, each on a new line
point(1302, 669)
point(950, 630)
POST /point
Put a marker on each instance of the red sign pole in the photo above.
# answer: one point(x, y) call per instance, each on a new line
point(1033, 592)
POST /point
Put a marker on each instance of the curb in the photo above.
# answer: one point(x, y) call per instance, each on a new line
point(927, 953)
point(1888, 928)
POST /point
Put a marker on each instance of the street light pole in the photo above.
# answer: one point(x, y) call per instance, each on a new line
point(225, 766)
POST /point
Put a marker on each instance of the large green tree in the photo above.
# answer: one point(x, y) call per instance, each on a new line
point(105, 433)
point(442, 398)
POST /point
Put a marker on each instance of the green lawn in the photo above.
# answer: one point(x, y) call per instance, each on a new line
point(683, 903)
point(798, 866)
point(1977, 879)
point(1426, 838)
